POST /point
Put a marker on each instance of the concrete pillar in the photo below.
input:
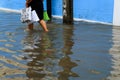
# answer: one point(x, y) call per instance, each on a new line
point(116, 13)
point(68, 11)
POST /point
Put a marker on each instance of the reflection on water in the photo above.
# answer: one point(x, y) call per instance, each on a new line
point(40, 54)
point(67, 65)
point(45, 61)
point(66, 62)
point(82, 51)
point(115, 52)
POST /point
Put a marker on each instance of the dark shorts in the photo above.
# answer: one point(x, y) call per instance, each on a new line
point(37, 5)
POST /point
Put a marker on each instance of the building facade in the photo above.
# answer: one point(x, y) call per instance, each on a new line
point(104, 11)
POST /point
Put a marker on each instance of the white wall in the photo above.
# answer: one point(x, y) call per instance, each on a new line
point(116, 14)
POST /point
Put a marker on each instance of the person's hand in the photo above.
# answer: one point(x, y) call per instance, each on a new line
point(27, 2)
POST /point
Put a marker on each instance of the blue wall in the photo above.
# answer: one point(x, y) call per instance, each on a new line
point(12, 4)
point(57, 7)
point(98, 10)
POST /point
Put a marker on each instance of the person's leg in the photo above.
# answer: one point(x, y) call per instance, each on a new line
point(30, 26)
point(43, 24)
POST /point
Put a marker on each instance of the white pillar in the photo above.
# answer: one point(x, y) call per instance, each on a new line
point(116, 13)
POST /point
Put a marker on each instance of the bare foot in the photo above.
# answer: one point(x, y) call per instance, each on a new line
point(46, 30)
point(30, 26)
point(27, 29)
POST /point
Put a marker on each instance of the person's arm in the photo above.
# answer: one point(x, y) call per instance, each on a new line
point(27, 2)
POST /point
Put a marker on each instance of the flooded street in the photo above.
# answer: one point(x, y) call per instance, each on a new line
point(83, 51)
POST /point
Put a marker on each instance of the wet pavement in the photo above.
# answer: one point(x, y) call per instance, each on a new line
point(83, 51)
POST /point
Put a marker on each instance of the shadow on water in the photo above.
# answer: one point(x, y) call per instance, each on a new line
point(67, 52)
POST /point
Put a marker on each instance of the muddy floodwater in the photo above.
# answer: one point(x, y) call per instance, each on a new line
point(83, 51)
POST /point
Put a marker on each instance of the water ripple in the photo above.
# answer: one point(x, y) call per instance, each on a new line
point(67, 52)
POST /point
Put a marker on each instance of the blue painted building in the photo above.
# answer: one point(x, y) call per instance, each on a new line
point(12, 4)
point(92, 10)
